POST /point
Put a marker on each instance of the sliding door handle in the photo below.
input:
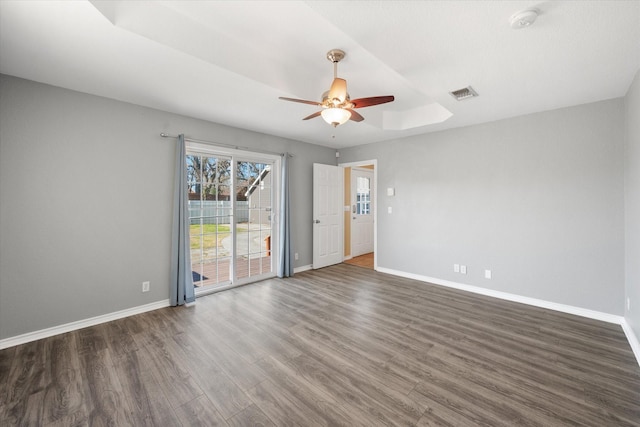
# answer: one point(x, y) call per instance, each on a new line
point(316, 221)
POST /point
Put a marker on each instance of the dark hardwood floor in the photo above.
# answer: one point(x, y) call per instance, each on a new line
point(338, 346)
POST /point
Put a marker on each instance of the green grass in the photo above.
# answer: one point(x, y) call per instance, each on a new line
point(210, 228)
point(212, 235)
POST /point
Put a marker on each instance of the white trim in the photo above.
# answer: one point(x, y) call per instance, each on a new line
point(302, 268)
point(631, 337)
point(68, 327)
point(213, 289)
point(200, 147)
point(373, 203)
point(578, 311)
point(245, 153)
point(605, 317)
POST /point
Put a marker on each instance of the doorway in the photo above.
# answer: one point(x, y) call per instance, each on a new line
point(360, 235)
point(362, 199)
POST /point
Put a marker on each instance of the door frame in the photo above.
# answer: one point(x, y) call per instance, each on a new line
point(246, 155)
point(355, 170)
point(373, 162)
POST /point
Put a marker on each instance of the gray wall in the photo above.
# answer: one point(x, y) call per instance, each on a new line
point(538, 199)
point(632, 204)
point(61, 261)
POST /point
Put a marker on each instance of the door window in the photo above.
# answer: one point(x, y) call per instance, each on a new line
point(363, 196)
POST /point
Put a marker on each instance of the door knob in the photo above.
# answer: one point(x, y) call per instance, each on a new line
point(316, 221)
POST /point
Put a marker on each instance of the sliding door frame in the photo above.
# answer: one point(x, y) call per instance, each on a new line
point(199, 148)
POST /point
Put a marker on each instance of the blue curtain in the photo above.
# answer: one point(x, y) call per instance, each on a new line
point(181, 280)
point(285, 268)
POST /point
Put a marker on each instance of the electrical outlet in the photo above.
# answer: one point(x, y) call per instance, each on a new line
point(456, 268)
point(463, 269)
point(487, 274)
point(295, 256)
point(146, 286)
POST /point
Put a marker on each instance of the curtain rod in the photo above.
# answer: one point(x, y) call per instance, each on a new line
point(236, 147)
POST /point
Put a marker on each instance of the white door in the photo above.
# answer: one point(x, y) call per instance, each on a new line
point(328, 215)
point(362, 206)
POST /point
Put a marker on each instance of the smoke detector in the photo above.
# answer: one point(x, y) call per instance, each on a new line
point(523, 19)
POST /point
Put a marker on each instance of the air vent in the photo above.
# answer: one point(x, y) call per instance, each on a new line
point(464, 93)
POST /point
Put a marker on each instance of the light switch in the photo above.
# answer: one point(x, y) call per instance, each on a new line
point(389, 209)
point(391, 191)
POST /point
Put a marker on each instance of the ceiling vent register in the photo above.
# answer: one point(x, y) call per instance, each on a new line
point(464, 93)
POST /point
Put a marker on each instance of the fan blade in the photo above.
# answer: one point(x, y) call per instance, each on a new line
point(311, 116)
point(338, 89)
point(355, 116)
point(374, 100)
point(302, 101)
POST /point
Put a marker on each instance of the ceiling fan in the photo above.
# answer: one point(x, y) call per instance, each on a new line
point(336, 105)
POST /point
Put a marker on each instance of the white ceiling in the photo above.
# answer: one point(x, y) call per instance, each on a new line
point(229, 61)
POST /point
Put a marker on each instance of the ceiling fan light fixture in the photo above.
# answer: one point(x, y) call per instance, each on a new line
point(337, 106)
point(335, 116)
point(338, 90)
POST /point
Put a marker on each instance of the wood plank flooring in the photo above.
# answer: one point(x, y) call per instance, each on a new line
point(337, 346)
point(365, 261)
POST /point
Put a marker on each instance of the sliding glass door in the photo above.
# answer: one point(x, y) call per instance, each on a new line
point(254, 219)
point(232, 215)
point(211, 219)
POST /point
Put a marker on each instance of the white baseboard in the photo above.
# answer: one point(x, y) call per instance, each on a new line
point(302, 268)
point(632, 338)
point(605, 317)
point(578, 311)
point(592, 314)
point(68, 327)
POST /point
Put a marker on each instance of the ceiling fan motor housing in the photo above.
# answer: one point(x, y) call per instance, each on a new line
point(335, 55)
